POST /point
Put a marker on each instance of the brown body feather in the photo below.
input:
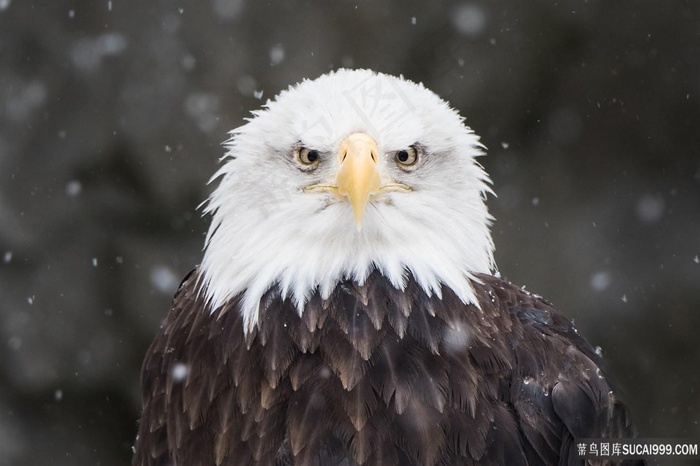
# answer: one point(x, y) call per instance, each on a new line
point(373, 376)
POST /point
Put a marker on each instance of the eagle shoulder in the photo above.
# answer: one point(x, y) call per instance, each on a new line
point(557, 386)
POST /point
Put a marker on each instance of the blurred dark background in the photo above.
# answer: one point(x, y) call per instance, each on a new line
point(112, 113)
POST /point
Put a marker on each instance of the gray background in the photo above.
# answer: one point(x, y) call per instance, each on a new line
point(111, 119)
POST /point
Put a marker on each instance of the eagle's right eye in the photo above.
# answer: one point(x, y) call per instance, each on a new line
point(308, 157)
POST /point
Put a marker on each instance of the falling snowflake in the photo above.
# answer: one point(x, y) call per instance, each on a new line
point(202, 107)
point(457, 339)
point(600, 280)
point(163, 279)
point(469, 19)
point(228, 9)
point(650, 208)
point(179, 372)
point(277, 54)
point(73, 188)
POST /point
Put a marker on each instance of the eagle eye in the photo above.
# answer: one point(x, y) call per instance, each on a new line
point(406, 158)
point(308, 157)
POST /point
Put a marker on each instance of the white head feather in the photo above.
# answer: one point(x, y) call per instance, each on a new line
point(267, 231)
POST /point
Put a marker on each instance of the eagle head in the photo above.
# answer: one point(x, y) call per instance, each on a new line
point(339, 176)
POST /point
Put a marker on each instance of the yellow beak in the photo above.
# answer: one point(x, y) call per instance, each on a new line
point(358, 177)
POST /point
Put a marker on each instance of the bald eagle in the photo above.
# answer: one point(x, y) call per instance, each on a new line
point(347, 310)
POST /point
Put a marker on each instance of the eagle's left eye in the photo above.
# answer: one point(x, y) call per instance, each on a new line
point(308, 157)
point(406, 158)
